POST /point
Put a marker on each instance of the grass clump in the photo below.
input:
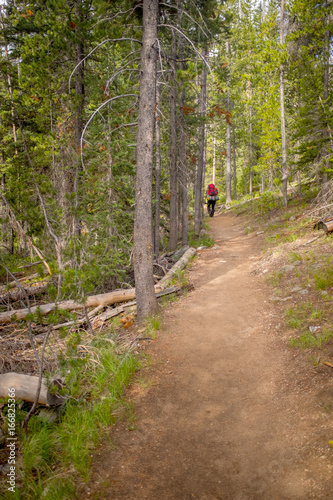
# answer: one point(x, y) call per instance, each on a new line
point(64, 449)
point(307, 340)
point(204, 240)
point(323, 278)
point(153, 324)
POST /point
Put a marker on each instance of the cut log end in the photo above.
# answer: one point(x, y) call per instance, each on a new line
point(25, 388)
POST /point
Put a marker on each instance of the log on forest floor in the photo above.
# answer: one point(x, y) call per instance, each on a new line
point(14, 294)
point(104, 299)
point(26, 388)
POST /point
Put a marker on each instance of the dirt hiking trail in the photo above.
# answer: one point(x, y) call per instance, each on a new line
point(227, 411)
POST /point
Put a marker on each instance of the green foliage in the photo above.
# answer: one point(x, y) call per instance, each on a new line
point(324, 278)
point(307, 340)
point(204, 240)
point(153, 324)
point(94, 397)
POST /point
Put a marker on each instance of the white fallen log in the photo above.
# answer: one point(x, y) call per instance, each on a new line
point(181, 264)
point(26, 388)
point(15, 294)
point(104, 299)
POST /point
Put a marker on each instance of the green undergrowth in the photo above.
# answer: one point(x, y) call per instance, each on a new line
point(300, 274)
point(55, 456)
point(203, 240)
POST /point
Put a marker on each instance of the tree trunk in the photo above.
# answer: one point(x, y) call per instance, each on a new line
point(234, 163)
point(228, 139)
point(251, 145)
point(182, 155)
point(328, 134)
point(143, 255)
point(79, 106)
point(214, 159)
point(282, 113)
point(201, 156)
point(157, 171)
point(173, 148)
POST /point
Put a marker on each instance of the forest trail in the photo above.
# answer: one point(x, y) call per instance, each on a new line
point(225, 412)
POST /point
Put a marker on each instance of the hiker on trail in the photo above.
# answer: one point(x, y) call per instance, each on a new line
point(212, 196)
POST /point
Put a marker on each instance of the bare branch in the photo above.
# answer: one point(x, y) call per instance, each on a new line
point(93, 50)
point(123, 126)
point(20, 231)
point(190, 42)
point(94, 113)
point(118, 73)
point(32, 409)
point(29, 311)
point(172, 6)
point(116, 15)
point(58, 242)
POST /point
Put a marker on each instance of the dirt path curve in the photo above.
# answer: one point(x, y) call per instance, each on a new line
point(224, 417)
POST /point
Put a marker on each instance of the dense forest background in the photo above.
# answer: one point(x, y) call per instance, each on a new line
point(242, 98)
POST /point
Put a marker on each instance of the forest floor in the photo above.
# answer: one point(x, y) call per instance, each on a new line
point(225, 409)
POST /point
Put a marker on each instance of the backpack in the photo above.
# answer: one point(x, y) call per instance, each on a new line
point(212, 192)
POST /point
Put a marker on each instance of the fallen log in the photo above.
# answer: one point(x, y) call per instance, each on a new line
point(104, 299)
point(120, 309)
point(177, 267)
point(26, 388)
point(13, 295)
point(327, 226)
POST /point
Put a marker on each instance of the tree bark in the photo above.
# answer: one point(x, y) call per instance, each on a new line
point(201, 156)
point(182, 155)
point(251, 144)
point(157, 171)
point(228, 139)
point(143, 255)
point(234, 163)
point(79, 96)
point(326, 82)
point(282, 114)
point(26, 387)
point(173, 148)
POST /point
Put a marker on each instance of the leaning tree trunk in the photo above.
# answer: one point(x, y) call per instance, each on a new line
point(143, 255)
point(282, 113)
point(201, 157)
point(173, 148)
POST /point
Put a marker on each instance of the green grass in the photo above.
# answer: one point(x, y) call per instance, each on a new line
point(324, 278)
point(275, 278)
point(66, 447)
point(295, 257)
point(153, 324)
point(195, 241)
point(294, 323)
point(180, 278)
point(307, 340)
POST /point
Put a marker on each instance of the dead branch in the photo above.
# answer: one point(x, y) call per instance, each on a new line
point(20, 231)
point(95, 48)
point(39, 386)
